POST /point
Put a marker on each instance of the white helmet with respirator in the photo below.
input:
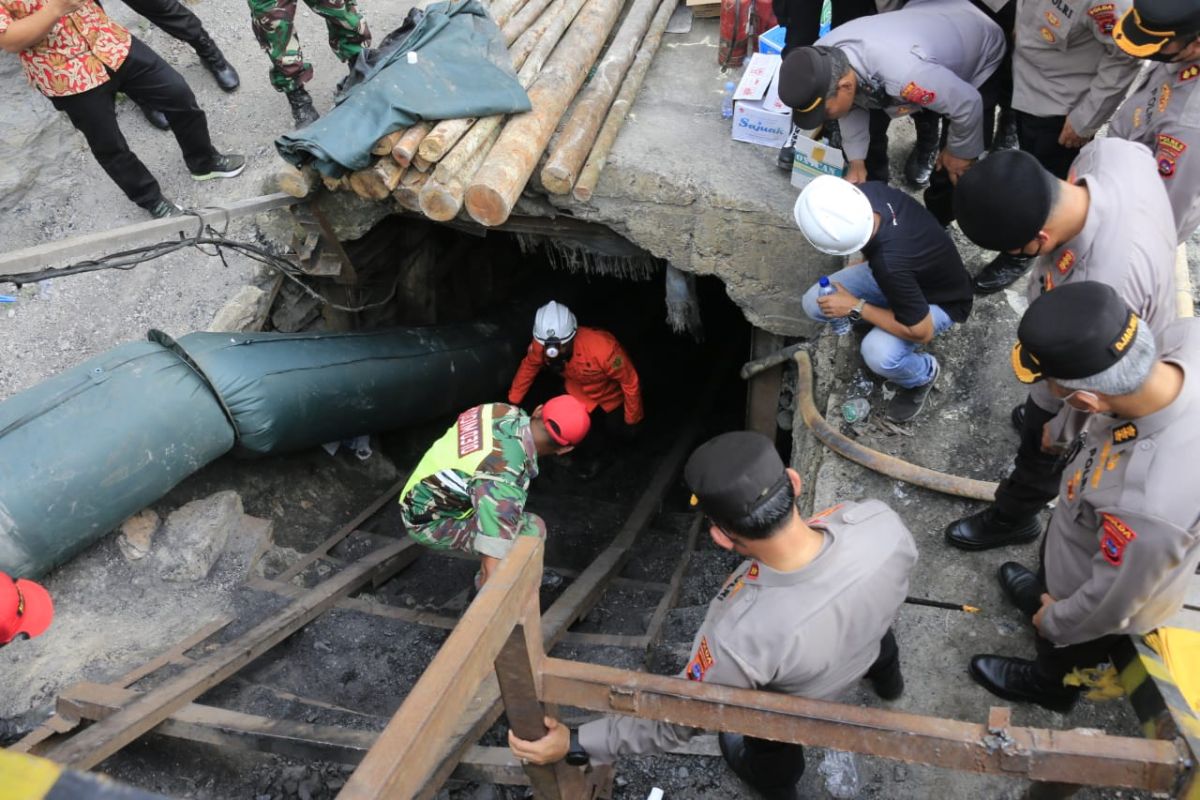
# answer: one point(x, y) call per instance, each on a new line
point(554, 326)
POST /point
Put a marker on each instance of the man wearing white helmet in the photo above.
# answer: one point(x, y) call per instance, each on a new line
point(911, 287)
point(594, 367)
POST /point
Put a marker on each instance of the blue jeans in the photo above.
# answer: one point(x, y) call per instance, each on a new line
point(886, 354)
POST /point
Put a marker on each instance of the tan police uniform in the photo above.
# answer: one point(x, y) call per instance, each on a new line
point(1065, 61)
point(1124, 541)
point(1163, 113)
point(812, 633)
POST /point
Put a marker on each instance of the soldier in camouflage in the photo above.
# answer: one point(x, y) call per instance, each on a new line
point(469, 490)
point(274, 27)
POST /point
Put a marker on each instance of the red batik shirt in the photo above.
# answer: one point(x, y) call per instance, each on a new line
point(72, 57)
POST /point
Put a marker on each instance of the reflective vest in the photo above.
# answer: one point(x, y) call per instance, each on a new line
point(461, 449)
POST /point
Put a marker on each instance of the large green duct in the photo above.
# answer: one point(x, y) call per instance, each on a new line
point(82, 451)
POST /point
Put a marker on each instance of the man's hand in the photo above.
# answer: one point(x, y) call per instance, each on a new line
point(837, 304)
point(64, 7)
point(953, 165)
point(546, 750)
point(1047, 601)
point(857, 173)
point(1069, 138)
point(1049, 445)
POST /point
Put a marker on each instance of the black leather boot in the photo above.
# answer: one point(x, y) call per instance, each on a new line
point(212, 58)
point(986, 529)
point(1016, 679)
point(919, 165)
point(302, 107)
point(733, 748)
point(1003, 270)
point(1021, 586)
point(890, 684)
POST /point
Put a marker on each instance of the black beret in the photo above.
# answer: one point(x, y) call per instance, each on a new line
point(804, 79)
point(1074, 331)
point(732, 474)
point(1003, 201)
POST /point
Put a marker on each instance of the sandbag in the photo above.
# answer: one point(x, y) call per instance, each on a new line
point(83, 450)
point(286, 392)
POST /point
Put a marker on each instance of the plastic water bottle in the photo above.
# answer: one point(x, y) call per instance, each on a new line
point(856, 409)
point(841, 774)
point(840, 325)
point(727, 102)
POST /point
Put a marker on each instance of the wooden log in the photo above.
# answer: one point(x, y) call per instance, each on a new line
point(590, 174)
point(384, 146)
point(336, 184)
point(404, 149)
point(577, 135)
point(296, 182)
point(440, 199)
point(522, 20)
point(408, 193)
point(377, 181)
point(498, 184)
point(503, 10)
point(420, 164)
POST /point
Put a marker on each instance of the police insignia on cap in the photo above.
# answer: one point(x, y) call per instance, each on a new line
point(1127, 334)
point(1025, 373)
point(1125, 433)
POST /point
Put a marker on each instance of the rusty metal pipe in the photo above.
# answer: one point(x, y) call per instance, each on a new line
point(873, 459)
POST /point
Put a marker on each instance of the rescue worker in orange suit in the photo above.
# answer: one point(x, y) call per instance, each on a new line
point(595, 369)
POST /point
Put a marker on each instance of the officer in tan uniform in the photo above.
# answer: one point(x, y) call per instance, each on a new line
point(808, 614)
point(1124, 541)
point(1111, 222)
point(1068, 79)
point(1163, 111)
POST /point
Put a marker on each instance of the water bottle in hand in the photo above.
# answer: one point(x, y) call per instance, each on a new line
point(840, 325)
point(727, 102)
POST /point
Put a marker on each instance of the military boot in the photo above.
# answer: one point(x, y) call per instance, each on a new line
point(989, 528)
point(1021, 586)
point(1001, 272)
point(214, 60)
point(1018, 680)
point(919, 165)
point(302, 107)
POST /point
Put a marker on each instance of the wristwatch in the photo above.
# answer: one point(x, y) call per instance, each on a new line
point(856, 313)
point(576, 755)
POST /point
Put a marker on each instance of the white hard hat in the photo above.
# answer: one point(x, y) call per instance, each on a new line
point(834, 215)
point(554, 321)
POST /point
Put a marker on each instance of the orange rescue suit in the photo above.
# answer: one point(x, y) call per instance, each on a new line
point(599, 373)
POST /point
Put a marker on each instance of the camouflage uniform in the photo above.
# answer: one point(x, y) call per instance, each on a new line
point(469, 490)
point(273, 22)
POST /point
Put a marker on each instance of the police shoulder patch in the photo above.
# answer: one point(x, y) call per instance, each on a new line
point(700, 664)
point(1105, 17)
point(917, 94)
point(1115, 538)
point(1125, 433)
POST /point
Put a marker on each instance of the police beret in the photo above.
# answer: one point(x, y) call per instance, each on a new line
point(732, 474)
point(804, 80)
point(1144, 29)
point(1074, 331)
point(1003, 201)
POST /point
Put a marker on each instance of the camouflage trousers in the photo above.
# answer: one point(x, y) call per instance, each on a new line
point(458, 533)
point(274, 27)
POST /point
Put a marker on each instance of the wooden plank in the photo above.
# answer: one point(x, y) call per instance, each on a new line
point(1035, 754)
point(408, 748)
point(90, 747)
point(38, 257)
point(667, 602)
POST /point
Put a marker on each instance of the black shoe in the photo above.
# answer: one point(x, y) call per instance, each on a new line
point(1015, 679)
point(214, 60)
point(907, 403)
point(1006, 131)
point(919, 165)
point(890, 685)
point(164, 208)
point(1021, 587)
point(1018, 417)
point(156, 118)
point(302, 107)
point(987, 529)
point(787, 153)
point(223, 166)
point(733, 748)
point(1001, 272)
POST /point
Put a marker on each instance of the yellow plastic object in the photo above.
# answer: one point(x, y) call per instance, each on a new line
point(1102, 684)
point(1180, 651)
point(23, 777)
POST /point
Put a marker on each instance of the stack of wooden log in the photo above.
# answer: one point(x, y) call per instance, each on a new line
point(483, 165)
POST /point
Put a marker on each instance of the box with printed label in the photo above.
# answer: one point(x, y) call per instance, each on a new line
point(815, 158)
point(759, 116)
point(771, 42)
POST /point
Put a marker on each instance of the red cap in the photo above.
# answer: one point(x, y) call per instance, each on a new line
point(25, 608)
point(566, 419)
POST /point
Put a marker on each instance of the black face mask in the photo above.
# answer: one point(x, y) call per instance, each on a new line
point(1168, 58)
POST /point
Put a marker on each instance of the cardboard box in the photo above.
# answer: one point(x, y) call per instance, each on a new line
point(759, 117)
point(815, 158)
point(771, 42)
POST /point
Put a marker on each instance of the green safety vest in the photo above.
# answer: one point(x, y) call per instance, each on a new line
point(463, 447)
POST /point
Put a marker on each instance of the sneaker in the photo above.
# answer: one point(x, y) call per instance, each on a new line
point(223, 166)
point(907, 403)
point(164, 208)
point(787, 153)
point(303, 111)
